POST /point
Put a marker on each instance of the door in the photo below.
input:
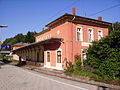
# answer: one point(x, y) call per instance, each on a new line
point(38, 56)
point(48, 55)
point(59, 59)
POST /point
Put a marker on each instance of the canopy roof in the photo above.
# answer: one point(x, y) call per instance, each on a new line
point(46, 41)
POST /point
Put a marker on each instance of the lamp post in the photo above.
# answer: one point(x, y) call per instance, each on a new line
point(2, 26)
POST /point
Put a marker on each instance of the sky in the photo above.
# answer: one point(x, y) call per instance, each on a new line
point(22, 16)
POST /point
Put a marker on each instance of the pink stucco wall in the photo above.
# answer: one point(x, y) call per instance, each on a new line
point(61, 32)
point(70, 46)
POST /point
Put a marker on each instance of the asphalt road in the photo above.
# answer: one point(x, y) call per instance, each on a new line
point(15, 78)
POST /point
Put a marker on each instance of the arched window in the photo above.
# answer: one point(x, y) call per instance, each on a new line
point(48, 56)
point(79, 33)
point(90, 35)
point(58, 56)
point(100, 34)
point(84, 53)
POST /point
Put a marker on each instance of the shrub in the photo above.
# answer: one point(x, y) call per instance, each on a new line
point(78, 62)
point(104, 56)
point(70, 68)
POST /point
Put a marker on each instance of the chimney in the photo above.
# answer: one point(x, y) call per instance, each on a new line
point(100, 18)
point(73, 11)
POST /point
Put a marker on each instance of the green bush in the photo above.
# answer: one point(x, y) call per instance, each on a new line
point(104, 56)
point(5, 58)
point(78, 62)
point(70, 68)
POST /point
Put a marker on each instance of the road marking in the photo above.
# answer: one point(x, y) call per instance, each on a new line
point(58, 81)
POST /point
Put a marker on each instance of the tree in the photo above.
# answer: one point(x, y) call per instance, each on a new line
point(19, 38)
point(114, 27)
point(104, 55)
point(29, 38)
point(9, 41)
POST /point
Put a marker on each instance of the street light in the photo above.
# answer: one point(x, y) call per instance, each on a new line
point(2, 26)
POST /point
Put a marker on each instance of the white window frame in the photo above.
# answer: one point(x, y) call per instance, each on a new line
point(46, 56)
point(59, 65)
point(81, 33)
point(57, 55)
point(101, 34)
point(84, 53)
point(92, 35)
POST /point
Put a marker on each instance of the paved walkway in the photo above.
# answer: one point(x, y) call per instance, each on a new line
point(15, 78)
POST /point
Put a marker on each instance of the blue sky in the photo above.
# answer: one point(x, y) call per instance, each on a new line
point(22, 16)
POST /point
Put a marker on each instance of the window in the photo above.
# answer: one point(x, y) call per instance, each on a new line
point(90, 35)
point(48, 56)
point(100, 34)
point(84, 53)
point(58, 56)
point(79, 34)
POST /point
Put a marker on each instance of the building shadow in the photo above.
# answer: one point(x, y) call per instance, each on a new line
point(20, 64)
point(2, 64)
point(103, 88)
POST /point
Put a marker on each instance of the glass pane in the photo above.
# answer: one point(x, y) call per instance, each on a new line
point(84, 57)
point(59, 52)
point(58, 56)
point(78, 36)
point(48, 56)
point(90, 35)
point(78, 29)
point(99, 34)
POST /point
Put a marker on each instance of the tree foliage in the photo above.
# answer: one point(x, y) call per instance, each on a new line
point(114, 27)
point(104, 55)
point(28, 38)
point(19, 38)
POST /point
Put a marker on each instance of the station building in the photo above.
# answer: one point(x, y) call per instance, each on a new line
point(64, 38)
point(16, 46)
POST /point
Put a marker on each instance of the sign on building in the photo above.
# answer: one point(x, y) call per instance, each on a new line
point(4, 46)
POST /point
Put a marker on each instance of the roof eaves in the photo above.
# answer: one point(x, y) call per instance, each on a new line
point(36, 43)
point(57, 19)
point(42, 32)
point(69, 16)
